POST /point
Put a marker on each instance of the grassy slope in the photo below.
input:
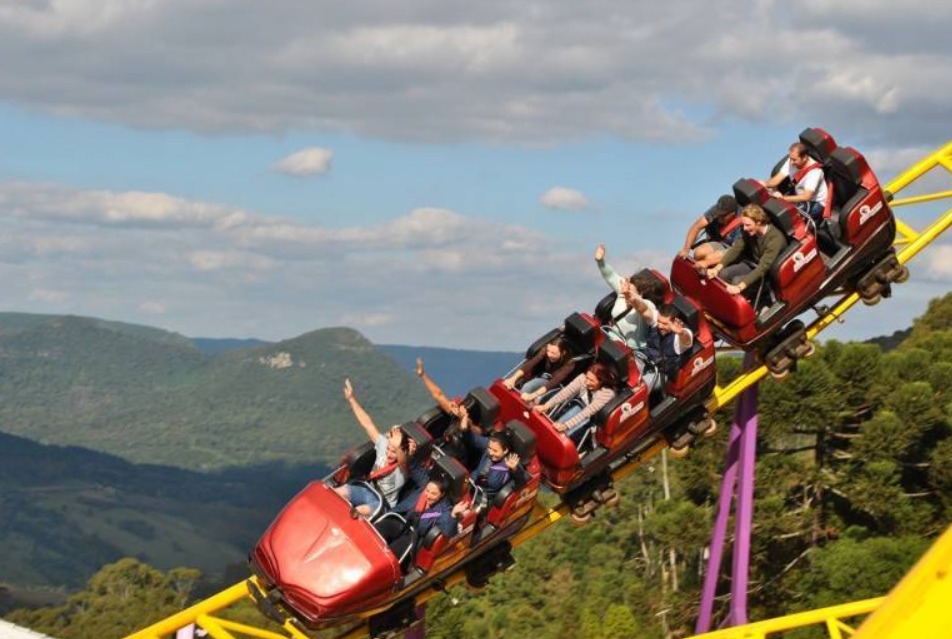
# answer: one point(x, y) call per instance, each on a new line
point(152, 396)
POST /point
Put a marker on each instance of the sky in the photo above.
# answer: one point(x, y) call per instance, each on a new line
point(429, 172)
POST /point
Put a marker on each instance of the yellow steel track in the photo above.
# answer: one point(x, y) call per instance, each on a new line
point(907, 612)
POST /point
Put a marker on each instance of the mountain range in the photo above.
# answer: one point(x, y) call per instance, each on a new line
point(152, 396)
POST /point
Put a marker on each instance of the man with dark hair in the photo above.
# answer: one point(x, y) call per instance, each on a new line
point(669, 344)
point(721, 227)
point(749, 259)
point(635, 311)
point(807, 184)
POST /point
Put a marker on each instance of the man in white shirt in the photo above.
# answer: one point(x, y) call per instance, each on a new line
point(806, 178)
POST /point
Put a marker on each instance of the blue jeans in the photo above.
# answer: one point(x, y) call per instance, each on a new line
point(535, 383)
point(573, 409)
point(362, 496)
point(813, 208)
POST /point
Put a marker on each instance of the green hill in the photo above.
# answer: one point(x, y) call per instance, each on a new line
point(65, 511)
point(148, 395)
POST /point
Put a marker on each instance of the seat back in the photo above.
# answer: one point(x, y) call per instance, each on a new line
point(699, 363)
point(483, 407)
point(450, 470)
point(580, 334)
point(747, 191)
point(786, 217)
point(355, 464)
point(604, 308)
point(618, 360)
point(420, 436)
point(540, 343)
point(820, 144)
point(435, 421)
point(799, 267)
point(846, 173)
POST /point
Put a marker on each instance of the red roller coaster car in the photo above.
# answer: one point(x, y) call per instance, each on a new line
point(850, 249)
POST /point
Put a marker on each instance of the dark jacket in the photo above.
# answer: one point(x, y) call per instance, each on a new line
point(660, 349)
point(492, 476)
point(540, 364)
point(760, 250)
point(440, 514)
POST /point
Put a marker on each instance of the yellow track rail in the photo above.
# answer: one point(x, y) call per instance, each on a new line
point(910, 243)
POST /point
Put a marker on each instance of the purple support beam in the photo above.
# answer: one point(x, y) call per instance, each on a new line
point(418, 631)
point(741, 459)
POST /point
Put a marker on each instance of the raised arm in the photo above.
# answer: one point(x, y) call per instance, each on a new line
point(636, 301)
point(435, 390)
point(612, 278)
point(362, 417)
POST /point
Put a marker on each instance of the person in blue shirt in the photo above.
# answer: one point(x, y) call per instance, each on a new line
point(497, 466)
point(431, 509)
point(669, 345)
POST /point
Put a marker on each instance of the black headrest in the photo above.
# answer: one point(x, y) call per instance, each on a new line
point(689, 312)
point(449, 470)
point(540, 343)
point(819, 143)
point(747, 191)
point(603, 310)
point(781, 214)
point(482, 406)
point(418, 434)
point(847, 162)
point(521, 439)
point(615, 358)
point(579, 333)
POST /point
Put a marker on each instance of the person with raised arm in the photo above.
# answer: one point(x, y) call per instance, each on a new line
point(635, 311)
point(391, 465)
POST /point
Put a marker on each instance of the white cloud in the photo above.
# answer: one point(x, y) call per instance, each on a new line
point(130, 208)
point(152, 308)
point(939, 262)
point(47, 295)
point(312, 161)
point(274, 278)
point(559, 197)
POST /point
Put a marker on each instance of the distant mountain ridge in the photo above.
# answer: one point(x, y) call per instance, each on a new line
point(64, 511)
point(153, 396)
point(456, 371)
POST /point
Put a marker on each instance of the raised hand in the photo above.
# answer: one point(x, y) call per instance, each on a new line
point(512, 460)
point(599, 252)
point(348, 389)
point(463, 415)
point(419, 367)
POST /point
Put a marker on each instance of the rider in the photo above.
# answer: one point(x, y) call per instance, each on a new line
point(721, 225)
point(545, 371)
point(582, 398)
point(497, 465)
point(635, 310)
point(391, 467)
